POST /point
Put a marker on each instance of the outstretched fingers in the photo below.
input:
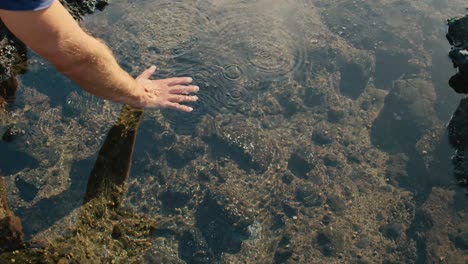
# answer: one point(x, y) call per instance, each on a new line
point(180, 107)
point(179, 98)
point(184, 89)
point(147, 73)
point(178, 80)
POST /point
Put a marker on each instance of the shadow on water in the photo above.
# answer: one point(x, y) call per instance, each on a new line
point(107, 178)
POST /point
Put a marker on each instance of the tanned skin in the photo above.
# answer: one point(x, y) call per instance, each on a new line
point(56, 36)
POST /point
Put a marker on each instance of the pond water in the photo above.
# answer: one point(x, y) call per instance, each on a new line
point(319, 137)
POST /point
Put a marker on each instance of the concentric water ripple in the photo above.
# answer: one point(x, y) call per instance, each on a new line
point(219, 91)
point(266, 47)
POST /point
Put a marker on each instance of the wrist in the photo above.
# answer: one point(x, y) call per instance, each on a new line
point(138, 97)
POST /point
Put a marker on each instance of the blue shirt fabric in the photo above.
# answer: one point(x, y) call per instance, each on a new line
point(25, 5)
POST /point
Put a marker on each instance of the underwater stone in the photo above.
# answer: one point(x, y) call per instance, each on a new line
point(321, 137)
point(224, 225)
point(308, 195)
point(335, 115)
point(313, 97)
point(193, 248)
point(408, 109)
point(11, 134)
point(283, 251)
point(461, 240)
point(175, 196)
point(331, 242)
point(458, 126)
point(242, 141)
point(11, 233)
point(288, 209)
point(287, 178)
point(27, 191)
point(182, 153)
point(355, 74)
point(390, 66)
point(391, 231)
point(337, 204)
point(300, 163)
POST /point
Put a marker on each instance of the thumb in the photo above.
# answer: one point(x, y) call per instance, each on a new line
point(148, 72)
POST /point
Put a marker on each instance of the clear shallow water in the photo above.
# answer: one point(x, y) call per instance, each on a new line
point(319, 134)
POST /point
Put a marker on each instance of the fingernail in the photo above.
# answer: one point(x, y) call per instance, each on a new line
point(197, 88)
point(189, 79)
point(152, 67)
point(190, 109)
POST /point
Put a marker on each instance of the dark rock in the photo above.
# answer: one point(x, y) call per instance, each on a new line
point(290, 103)
point(287, 178)
point(175, 196)
point(242, 141)
point(193, 248)
point(321, 137)
point(278, 220)
point(408, 110)
point(283, 251)
point(80, 8)
point(458, 137)
point(390, 66)
point(331, 160)
point(12, 161)
point(354, 155)
point(27, 191)
point(326, 219)
point(331, 242)
point(391, 231)
point(11, 233)
point(360, 32)
point(335, 115)
point(363, 242)
point(355, 77)
point(12, 133)
point(337, 204)
point(458, 126)
point(458, 31)
point(300, 163)
point(308, 196)
point(288, 209)
point(461, 240)
point(223, 224)
point(396, 170)
point(313, 97)
point(456, 35)
point(179, 155)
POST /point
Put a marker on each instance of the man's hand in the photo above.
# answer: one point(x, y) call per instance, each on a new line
point(166, 93)
point(55, 36)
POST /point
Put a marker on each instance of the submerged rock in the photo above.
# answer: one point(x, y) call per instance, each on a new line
point(331, 242)
point(409, 111)
point(241, 140)
point(223, 223)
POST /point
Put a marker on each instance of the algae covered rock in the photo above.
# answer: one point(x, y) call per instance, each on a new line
point(223, 222)
point(241, 140)
point(408, 111)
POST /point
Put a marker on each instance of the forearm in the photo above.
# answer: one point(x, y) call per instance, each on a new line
point(54, 35)
point(90, 64)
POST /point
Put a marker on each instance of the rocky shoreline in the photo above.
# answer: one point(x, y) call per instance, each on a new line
point(330, 151)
